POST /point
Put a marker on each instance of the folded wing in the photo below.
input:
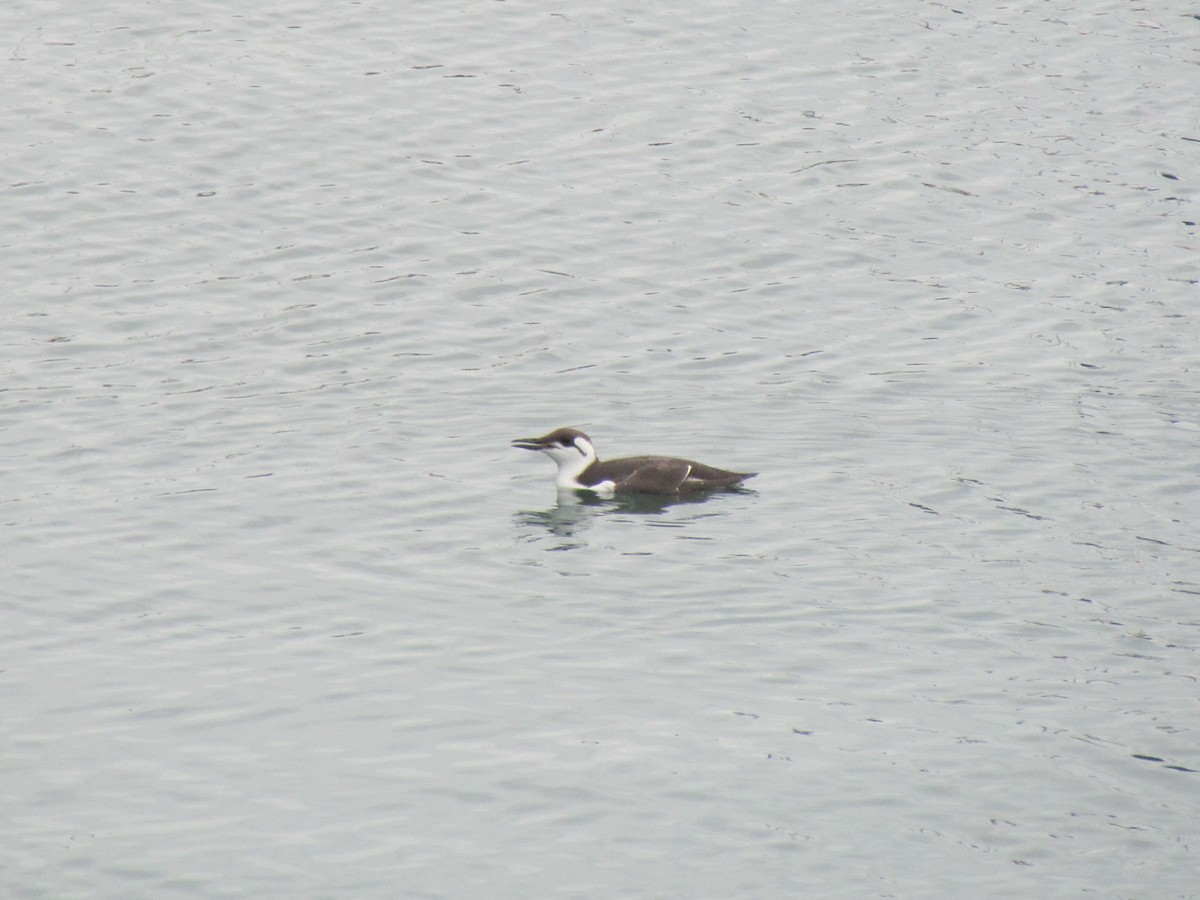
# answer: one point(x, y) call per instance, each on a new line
point(657, 477)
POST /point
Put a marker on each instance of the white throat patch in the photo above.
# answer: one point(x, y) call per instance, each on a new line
point(571, 462)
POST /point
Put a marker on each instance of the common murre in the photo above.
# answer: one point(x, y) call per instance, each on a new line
point(580, 469)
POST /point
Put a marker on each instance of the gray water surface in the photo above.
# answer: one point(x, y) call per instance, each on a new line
point(285, 615)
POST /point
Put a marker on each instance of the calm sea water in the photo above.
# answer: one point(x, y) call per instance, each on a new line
point(285, 615)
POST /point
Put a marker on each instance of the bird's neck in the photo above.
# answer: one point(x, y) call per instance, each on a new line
point(570, 468)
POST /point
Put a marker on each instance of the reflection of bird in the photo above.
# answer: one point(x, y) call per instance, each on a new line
point(580, 469)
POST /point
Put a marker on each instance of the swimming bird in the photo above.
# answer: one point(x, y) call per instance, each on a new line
point(580, 469)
